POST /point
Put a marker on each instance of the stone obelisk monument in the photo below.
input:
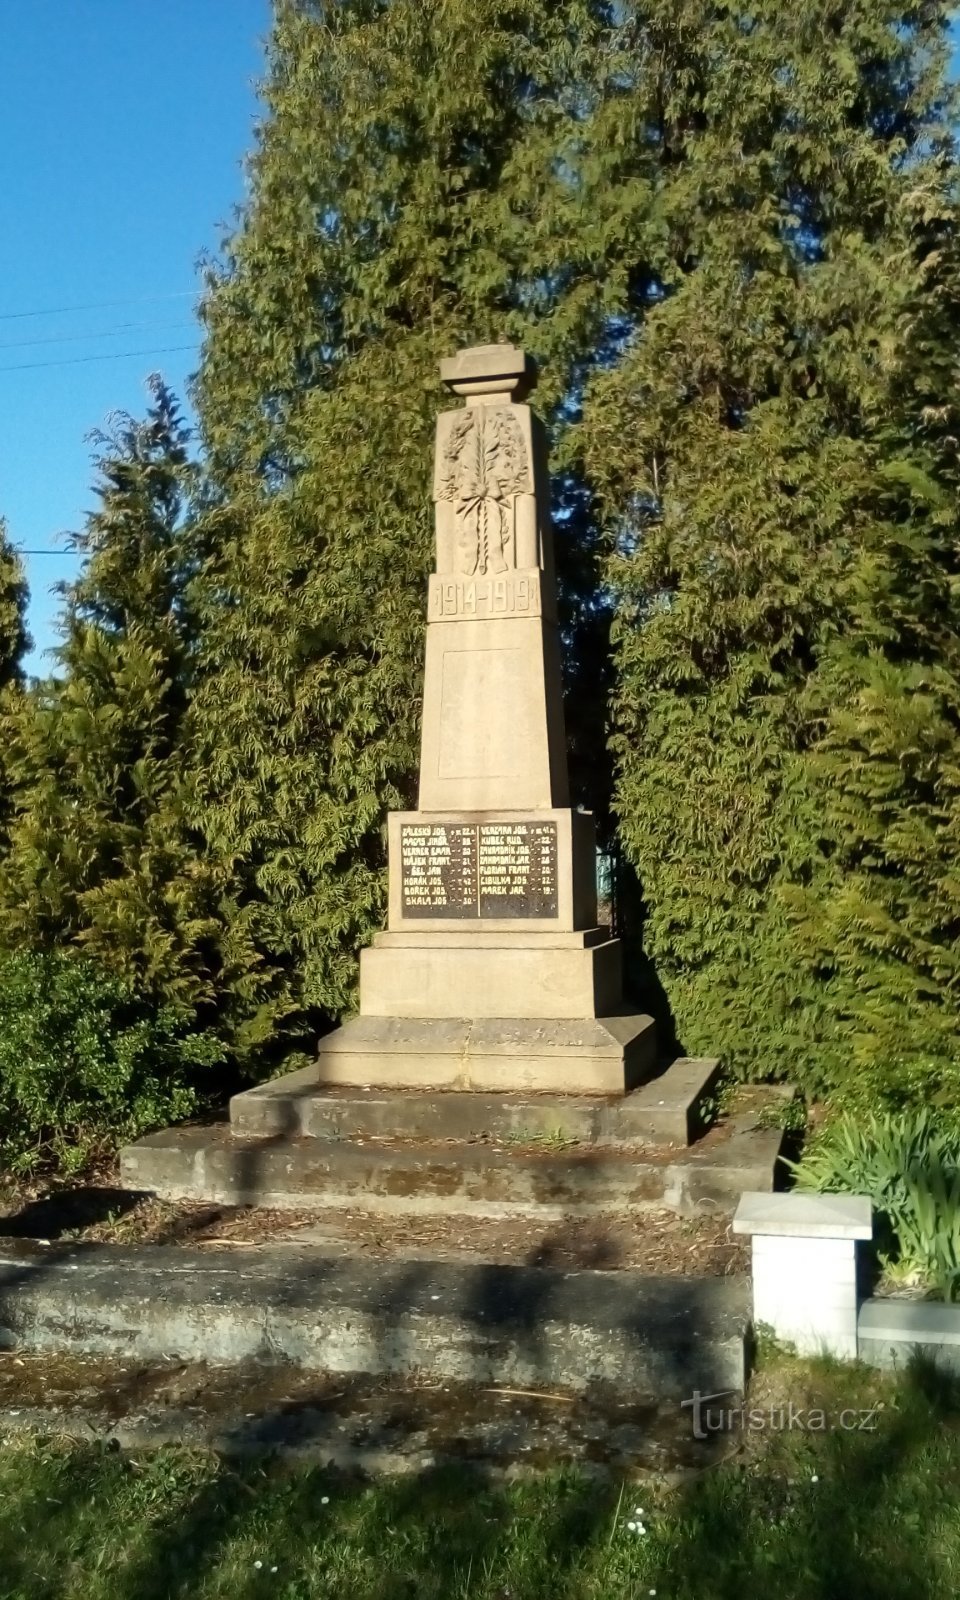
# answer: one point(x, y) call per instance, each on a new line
point(492, 973)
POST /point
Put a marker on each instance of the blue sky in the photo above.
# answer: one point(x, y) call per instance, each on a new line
point(123, 124)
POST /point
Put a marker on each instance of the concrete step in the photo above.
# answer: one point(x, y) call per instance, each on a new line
point(391, 1177)
point(492, 1055)
point(529, 1326)
point(667, 1110)
point(374, 1425)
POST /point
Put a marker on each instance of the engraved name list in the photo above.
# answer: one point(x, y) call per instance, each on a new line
point(487, 869)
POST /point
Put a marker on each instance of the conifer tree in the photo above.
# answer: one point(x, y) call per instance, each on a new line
point(729, 237)
point(776, 456)
point(13, 604)
point(411, 193)
point(13, 645)
point(101, 857)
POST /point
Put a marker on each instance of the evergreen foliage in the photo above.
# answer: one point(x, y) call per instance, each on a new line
point(13, 645)
point(13, 603)
point(730, 238)
point(86, 1060)
point(101, 856)
point(776, 454)
point(410, 193)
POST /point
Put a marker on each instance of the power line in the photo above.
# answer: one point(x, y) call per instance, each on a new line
point(98, 305)
point(20, 551)
point(115, 355)
point(102, 333)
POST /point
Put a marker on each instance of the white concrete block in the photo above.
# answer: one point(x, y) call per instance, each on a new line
point(814, 1342)
point(809, 1216)
point(805, 1283)
point(797, 1255)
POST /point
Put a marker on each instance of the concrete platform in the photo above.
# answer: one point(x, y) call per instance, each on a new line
point(508, 1325)
point(666, 1110)
point(586, 1055)
point(423, 1178)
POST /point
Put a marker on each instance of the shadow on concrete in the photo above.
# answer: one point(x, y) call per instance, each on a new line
point(726, 1534)
point(864, 1515)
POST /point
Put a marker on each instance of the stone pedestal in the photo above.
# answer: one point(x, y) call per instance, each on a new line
point(493, 899)
point(494, 1077)
point(804, 1264)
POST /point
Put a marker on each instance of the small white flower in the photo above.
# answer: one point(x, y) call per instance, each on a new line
point(274, 1569)
point(258, 1565)
point(814, 1479)
point(641, 1530)
point(324, 1499)
point(631, 1527)
point(651, 1591)
point(638, 1511)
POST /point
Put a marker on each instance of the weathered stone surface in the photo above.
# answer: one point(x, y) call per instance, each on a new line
point(522, 1325)
point(373, 1424)
point(891, 1333)
point(493, 735)
point(489, 369)
point(664, 1111)
point(805, 1216)
point(505, 982)
point(397, 1178)
point(591, 1055)
point(493, 732)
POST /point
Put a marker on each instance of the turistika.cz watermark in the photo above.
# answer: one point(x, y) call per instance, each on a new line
point(710, 1415)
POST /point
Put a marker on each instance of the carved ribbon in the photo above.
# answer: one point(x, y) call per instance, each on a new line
point(484, 466)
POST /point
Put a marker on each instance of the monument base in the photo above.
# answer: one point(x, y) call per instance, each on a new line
point(509, 980)
point(592, 1055)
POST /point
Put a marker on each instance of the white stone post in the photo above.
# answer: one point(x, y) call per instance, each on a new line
point(805, 1268)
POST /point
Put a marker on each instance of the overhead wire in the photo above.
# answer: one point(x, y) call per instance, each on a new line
point(95, 333)
point(113, 355)
point(98, 305)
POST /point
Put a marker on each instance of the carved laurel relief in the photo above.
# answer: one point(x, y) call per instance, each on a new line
point(483, 467)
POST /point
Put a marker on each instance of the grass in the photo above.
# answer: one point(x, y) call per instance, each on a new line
point(796, 1515)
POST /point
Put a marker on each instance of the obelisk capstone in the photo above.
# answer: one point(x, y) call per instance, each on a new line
point(492, 972)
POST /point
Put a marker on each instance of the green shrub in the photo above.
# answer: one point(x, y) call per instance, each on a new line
point(909, 1166)
point(85, 1063)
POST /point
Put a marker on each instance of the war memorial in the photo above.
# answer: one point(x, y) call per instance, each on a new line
point(479, 1150)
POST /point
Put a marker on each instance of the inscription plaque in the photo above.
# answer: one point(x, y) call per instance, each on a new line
point(438, 864)
point(517, 869)
point(515, 594)
point(490, 869)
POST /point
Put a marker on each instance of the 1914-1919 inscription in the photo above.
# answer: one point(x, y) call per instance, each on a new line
point(487, 869)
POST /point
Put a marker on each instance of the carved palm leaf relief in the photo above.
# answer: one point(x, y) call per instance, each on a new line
point(484, 465)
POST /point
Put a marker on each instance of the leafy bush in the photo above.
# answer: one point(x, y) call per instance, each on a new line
point(909, 1166)
point(85, 1063)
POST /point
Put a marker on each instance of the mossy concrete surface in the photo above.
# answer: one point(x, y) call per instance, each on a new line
point(527, 1326)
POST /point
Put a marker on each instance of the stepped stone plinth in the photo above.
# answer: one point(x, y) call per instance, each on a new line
point(494, 1068)
point(493, 972)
